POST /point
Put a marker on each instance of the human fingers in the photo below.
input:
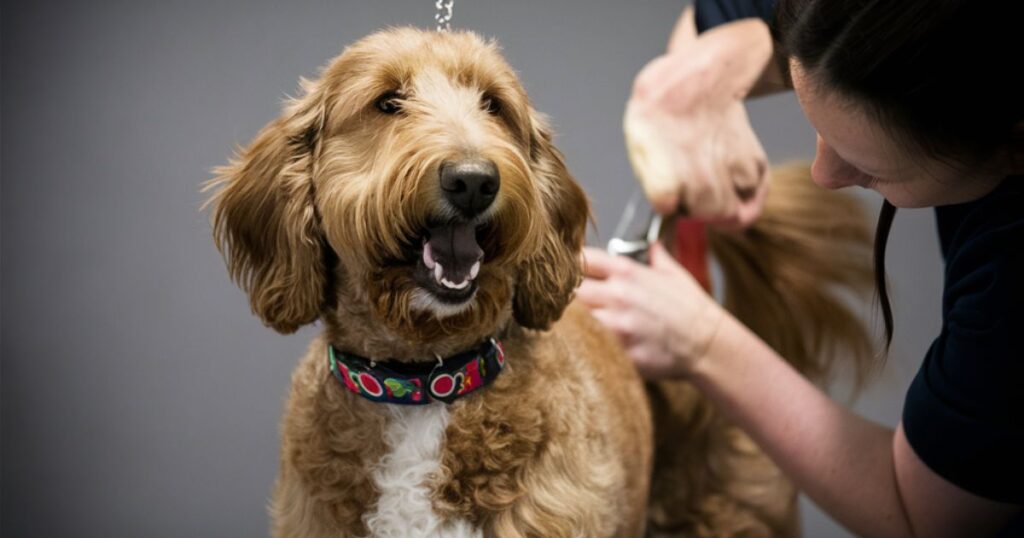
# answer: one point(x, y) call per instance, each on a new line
point(749, 210)
point(612, 320)
point(599, 264)
point(596, 294)
point(727, 190)
point(649, 363)
point(748, 171)
point(709, 196)
point(662, 261)
point(747, 206)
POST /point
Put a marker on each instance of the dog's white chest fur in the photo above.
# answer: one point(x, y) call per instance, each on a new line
point(414, 436)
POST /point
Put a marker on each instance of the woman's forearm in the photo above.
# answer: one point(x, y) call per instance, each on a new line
point(721, 65)
point(744, 54)
point(751, 57)
point(741, 51)
point(842, 461)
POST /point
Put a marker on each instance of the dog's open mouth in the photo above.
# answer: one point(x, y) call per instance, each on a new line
point(450, 261)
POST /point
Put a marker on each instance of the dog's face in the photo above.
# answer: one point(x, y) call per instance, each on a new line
point(413, 185)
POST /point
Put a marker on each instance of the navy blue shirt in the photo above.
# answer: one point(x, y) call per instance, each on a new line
point(964, 411)
point(711, 13)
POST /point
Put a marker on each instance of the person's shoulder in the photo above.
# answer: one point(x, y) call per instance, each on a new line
point(985, 259)
point(995, 219)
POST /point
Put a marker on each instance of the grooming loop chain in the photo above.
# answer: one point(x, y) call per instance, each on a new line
point(444, 14)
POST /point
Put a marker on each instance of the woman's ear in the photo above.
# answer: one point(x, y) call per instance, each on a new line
point(264, 219)
point(549, 278)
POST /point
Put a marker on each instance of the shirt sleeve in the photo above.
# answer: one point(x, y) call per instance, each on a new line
point(711, 13)
point(964, 411)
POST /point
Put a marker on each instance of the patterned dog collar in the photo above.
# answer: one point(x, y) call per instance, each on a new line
point(419, 383)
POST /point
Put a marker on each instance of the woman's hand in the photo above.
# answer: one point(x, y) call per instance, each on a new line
point(664, 319)
point(688, 134)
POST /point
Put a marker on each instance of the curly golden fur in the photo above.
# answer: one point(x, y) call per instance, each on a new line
point(322, 217)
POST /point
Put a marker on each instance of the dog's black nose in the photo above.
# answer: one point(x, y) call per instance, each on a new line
point(470, 185)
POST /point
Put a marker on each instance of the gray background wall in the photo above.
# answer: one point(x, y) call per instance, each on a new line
point(139, 396)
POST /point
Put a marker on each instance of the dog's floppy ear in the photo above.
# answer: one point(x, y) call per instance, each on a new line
point(548, 279)
point(264, 220)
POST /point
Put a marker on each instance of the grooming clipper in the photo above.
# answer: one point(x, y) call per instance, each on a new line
point(638, 229)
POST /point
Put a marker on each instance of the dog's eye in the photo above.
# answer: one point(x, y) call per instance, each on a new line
point(491, 105)
point(389, 103)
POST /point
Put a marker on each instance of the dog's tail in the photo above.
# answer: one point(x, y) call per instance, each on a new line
point(794, 276)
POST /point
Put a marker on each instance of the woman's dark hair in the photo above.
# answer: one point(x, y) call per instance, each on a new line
point(941, 76)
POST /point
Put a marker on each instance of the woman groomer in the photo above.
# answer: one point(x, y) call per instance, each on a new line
point(922, 101)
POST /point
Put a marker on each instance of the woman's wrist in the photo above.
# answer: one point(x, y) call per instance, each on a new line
point(701, 335)
point(727, 339)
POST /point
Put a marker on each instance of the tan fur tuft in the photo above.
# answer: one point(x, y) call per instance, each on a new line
point(792, 276)
point(264, 221)
point(548, 280)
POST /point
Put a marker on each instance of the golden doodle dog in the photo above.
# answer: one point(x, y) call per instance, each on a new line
point(411, 200)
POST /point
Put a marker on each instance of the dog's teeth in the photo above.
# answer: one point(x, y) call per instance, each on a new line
point(449, 284)
point(428, 256)
point(438, 272)
point(475, 270)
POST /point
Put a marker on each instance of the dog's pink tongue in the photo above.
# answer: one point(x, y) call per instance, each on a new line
point(455, 248)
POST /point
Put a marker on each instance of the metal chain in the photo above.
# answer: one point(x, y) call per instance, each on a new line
point(444, 14)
